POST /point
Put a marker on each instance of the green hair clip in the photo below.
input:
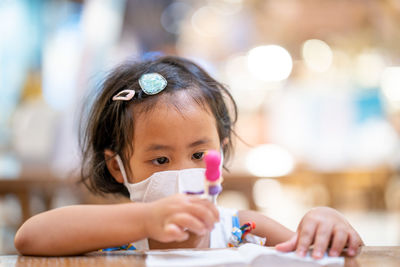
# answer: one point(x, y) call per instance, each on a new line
point(152, 83)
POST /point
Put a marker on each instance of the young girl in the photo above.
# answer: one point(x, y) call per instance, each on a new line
point(145, 138)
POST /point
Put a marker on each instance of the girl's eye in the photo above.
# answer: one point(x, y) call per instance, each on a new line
point(160, 161)
point(198, 155)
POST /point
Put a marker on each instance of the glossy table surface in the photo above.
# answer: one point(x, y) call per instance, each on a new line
point(369, 256)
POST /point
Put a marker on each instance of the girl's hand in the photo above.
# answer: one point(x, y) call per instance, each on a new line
point(169, 219)
point(322, 227)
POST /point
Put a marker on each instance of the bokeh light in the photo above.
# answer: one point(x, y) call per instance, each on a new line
point(317, 55)
point(248, 92)
point(226, 7)
point(269, 160)
point(369, 68)
point(207, 22)
point(269, 63)
point(173, 16)
point(390, 84)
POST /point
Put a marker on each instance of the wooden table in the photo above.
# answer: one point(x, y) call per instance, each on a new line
point(369, 257)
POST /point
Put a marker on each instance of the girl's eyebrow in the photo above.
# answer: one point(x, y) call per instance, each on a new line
point(200, 142)
point(158, 147)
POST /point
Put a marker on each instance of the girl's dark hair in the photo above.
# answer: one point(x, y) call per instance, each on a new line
point(110, 124)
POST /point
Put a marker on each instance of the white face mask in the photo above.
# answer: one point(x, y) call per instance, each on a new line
point(165, 183)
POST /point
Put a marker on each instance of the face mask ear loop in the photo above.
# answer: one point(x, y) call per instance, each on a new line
point(221, 164)
point(121, 167)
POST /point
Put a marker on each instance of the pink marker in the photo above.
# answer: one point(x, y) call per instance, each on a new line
point(213, 174)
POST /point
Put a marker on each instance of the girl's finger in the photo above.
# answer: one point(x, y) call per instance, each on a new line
point(288, 245)
point(322, 238)
point(206, 203)
point(174, 233)
point(186, 221)
point(306, 237)
point(338, 243)
point(354, 243)
point(202, 213)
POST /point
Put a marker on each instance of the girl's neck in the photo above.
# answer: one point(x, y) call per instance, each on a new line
point(194, 241)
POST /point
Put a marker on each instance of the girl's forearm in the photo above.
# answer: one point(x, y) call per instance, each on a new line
point(266, 227)
point(83, 228)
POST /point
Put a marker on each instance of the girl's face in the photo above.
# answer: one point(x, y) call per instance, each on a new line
point(168, 138)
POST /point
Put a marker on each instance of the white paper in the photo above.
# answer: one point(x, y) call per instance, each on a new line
point(248, 254)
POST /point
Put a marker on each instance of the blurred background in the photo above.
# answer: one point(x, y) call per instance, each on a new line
point(317, 83)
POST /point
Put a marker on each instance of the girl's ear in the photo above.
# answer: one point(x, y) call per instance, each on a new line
point(112, 166)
